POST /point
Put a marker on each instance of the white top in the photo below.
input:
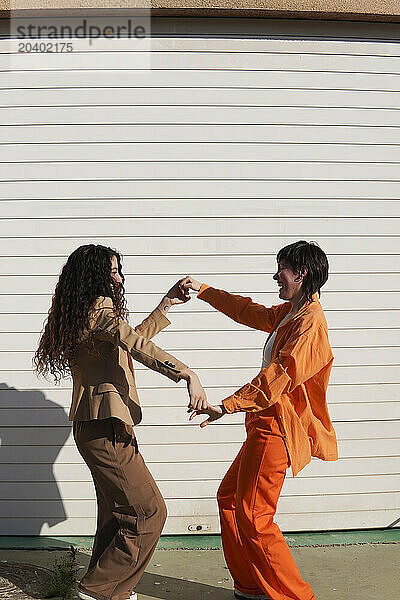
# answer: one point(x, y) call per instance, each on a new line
point(266, 359)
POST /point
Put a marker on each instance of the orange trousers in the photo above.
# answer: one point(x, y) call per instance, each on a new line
point(255, 550)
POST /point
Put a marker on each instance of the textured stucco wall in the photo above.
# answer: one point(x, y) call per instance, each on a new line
point(334, 9)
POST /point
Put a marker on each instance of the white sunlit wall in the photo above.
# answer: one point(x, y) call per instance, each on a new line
point(242, 137)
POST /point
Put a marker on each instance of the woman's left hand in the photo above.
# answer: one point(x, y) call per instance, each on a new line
point(214, 413)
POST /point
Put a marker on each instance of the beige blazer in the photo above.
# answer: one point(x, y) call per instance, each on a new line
point(104, 381)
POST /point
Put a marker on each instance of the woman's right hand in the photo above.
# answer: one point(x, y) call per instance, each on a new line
point(189, 283)
point(197, 395)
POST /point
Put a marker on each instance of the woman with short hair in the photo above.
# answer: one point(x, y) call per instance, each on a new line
point(287, 421)
point(87, 335)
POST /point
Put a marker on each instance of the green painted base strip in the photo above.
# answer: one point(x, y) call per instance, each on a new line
point(211, 542)
point(333, 538)
point(190, 542)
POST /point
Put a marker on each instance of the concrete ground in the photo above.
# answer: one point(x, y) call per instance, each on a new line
point(353, 572)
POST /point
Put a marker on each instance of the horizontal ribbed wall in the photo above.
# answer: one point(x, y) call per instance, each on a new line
point(238, 141)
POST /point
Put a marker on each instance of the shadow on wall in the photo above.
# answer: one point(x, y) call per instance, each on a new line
point(33, 430)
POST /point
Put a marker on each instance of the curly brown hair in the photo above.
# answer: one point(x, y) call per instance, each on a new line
point(85, 276)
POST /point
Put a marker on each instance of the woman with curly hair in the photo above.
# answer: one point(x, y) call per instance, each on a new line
point(287, 421)
point(87, 335)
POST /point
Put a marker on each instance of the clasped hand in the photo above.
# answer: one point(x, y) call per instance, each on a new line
point(189, 283)
point(214, 413)
point(179, 293)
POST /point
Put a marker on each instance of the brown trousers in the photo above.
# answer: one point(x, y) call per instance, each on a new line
point(130, 509)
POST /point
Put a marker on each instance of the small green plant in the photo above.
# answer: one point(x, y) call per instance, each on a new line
point(63, 579)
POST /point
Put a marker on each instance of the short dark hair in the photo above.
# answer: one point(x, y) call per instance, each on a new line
point(307, 254)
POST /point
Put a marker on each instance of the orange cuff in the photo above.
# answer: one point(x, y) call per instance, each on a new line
point(230, 404)
point(203, 288)
point(248, 399)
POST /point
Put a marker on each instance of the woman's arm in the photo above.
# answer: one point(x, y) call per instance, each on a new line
point(240, 309)
point(301, 358)
point(107, 327)
point(157, 319)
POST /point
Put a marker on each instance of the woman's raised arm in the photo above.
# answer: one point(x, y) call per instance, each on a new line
point(239, 308)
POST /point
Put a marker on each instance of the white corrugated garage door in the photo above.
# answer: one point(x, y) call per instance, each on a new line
point(244, 136)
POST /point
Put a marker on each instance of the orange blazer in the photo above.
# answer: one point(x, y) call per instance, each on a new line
point(295, 382)
point(104, 381)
